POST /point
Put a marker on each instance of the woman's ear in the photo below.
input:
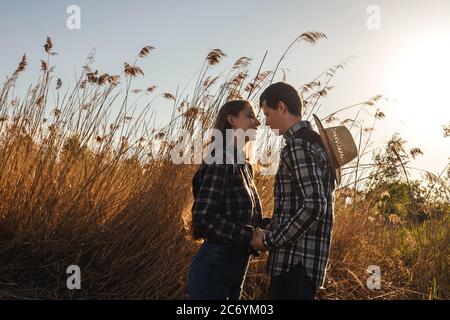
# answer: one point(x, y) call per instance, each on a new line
point(230, 120)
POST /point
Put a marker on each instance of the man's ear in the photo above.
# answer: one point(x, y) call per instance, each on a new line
point(281, 107)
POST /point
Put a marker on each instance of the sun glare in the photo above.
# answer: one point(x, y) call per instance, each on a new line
point(421, 83)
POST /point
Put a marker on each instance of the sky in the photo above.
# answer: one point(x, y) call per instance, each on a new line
point(401, 50)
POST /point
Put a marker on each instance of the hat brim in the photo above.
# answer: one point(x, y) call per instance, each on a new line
point(326, 143)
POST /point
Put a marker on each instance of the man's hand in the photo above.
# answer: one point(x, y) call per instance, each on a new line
point(257, 242)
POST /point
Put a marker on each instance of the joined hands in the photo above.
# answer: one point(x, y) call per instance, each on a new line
point(257, 242)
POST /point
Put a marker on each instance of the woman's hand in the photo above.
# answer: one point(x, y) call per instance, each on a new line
point(257, 242)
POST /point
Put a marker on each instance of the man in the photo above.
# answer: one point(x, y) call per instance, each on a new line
point(299, 238)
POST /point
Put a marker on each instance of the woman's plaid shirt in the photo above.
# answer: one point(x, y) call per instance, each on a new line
point(303, 209)
point(226, 205)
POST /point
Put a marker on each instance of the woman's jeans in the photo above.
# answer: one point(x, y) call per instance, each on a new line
point(217, 272)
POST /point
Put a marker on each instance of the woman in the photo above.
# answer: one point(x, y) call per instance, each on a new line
point(226, 209)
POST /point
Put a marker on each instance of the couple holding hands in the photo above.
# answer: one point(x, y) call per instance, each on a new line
point(227, 213)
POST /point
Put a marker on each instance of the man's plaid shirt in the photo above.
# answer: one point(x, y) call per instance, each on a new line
point(303, 208)
point(226, 205)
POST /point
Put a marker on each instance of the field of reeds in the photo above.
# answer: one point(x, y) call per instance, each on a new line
point(86, 179)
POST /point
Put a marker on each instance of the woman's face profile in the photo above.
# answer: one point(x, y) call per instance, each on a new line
point(247, 122)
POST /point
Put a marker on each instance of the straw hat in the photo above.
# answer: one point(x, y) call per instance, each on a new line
point(339, 144)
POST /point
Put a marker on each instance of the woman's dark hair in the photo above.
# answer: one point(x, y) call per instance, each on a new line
point(281, 91)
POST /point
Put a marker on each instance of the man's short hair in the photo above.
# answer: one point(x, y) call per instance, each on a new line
point(281, 91)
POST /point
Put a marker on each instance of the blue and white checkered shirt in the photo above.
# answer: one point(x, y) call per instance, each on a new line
point(303, 208)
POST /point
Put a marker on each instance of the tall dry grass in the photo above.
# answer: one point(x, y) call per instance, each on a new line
point(86, 179)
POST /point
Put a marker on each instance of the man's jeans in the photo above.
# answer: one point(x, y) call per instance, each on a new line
point(292, 285)
point(217, 272)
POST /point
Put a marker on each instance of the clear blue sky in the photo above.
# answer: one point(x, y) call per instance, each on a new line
point(405, 59)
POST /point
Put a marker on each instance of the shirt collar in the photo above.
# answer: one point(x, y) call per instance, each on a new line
point(289, 134)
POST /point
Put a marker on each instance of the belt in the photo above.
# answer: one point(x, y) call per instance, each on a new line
point(252, 251)
point(225, 244)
